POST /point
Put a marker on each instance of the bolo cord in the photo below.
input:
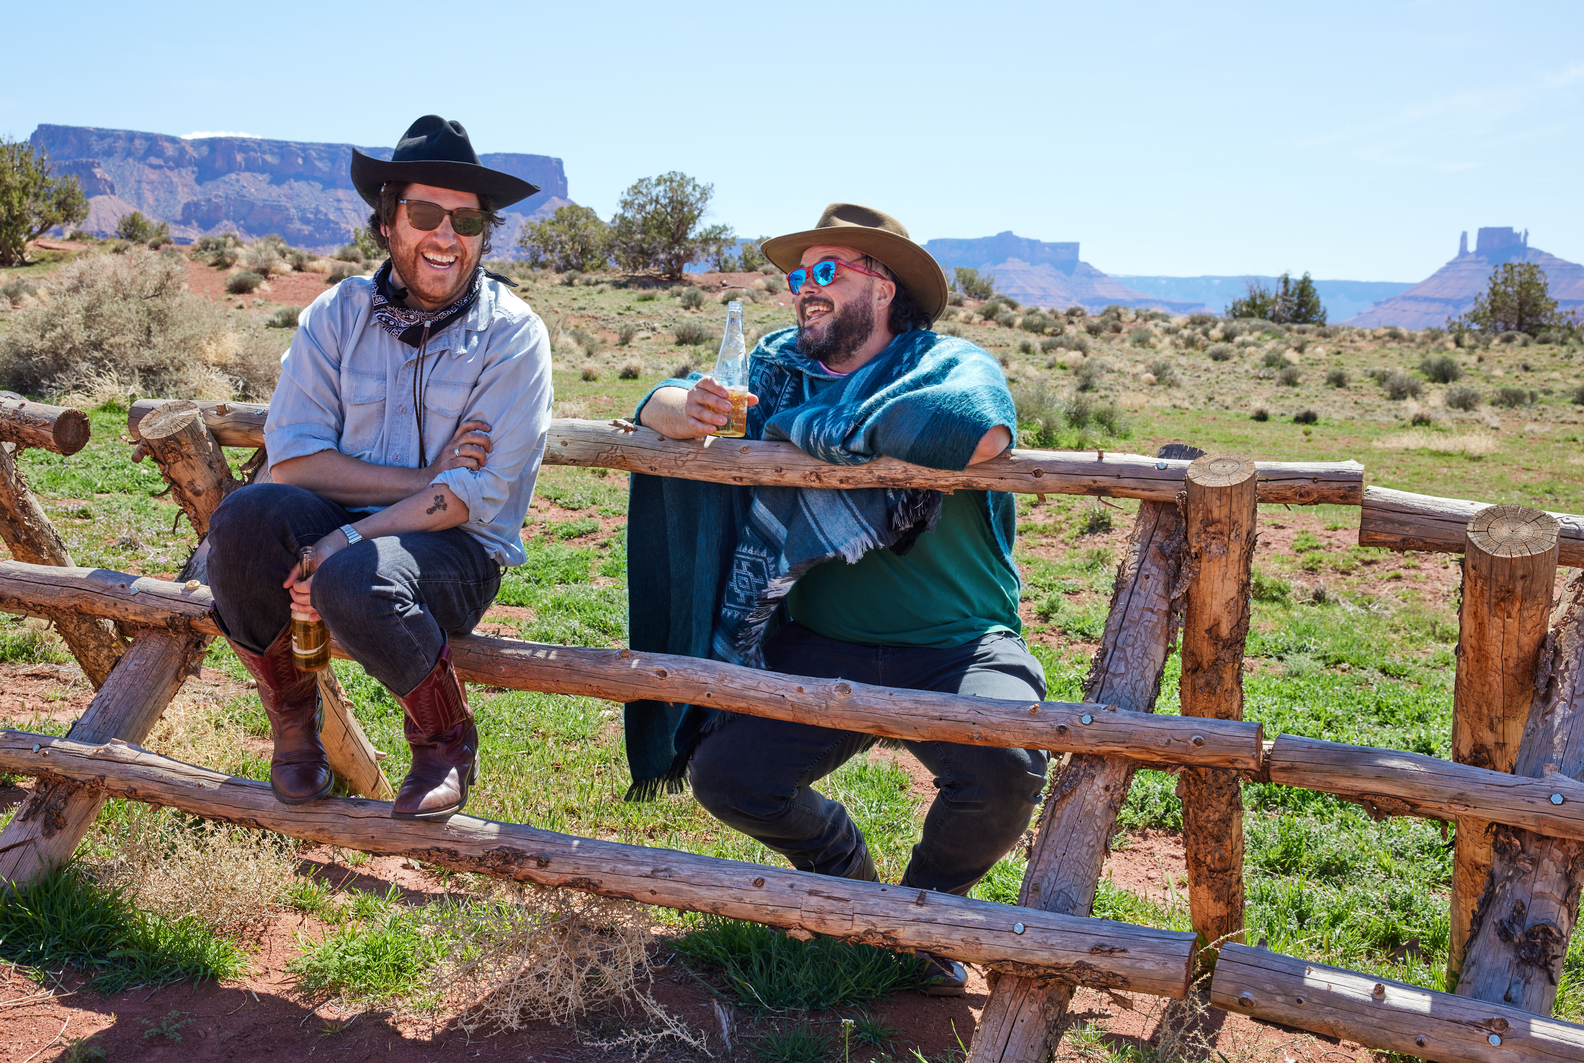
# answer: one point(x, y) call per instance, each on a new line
point(420, 385)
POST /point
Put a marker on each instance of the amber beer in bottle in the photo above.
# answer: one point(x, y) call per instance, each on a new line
point(731, 371)
point(310, 638)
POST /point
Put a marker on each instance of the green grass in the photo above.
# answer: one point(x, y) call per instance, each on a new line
point(381, 949)
point(68, 919)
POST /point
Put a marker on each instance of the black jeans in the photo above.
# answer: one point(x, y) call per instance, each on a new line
point(389, 601)
point(756, 774)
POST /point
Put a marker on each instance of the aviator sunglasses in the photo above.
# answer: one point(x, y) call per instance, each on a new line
point(465, 221)
point(823, 273)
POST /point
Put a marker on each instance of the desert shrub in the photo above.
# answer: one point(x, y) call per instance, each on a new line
point(1551, 336)
point(1521, 339)
point(970, 283)
point(631, 370)
point(1230, 331)
point(625, 334)
point(135, 228)
point(265, 257)
point(1035, 321)
point(301, 261)
point(1441, 369)
point(341, 271)
point(1337, 378)
point(15, 291)
point(1422, 418)
point(125, 324)
point(1305, 416)
point(1220, 352)
point(1512, 398)
point(590, 371)
point(1094, 326)
point(1289, 377)
point(1463, 398)
point(950, 330)
point(692, 333)
point(1400, 386)
point(774, 283)
point(348, 253)
point(1578, 395)
point(244, 282)
point(1108, 415)
point(1273, 360)
point(691, 298)
point(955, 299)
point(683, 369)
point(1260, 413)
point(1065, 343)
point(1141, 337)
point(1164, 372)
point(285, 317)
point(1394, 333)
point(1089, 373)
point(992, 310)
point(591, 342)
point(1196, 320)
point(1025, 346)
point(1380, 376)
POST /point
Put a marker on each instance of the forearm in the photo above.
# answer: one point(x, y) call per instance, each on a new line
point(349, 481)
point(666, 413)
point(435, 508)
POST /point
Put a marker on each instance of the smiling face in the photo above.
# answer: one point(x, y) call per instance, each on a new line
point(434, 266)
point(839, 323)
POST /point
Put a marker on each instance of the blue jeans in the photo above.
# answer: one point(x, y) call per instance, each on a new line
point(390, 602)
point(756, 774)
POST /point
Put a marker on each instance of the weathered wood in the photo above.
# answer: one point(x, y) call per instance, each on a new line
point(1386, 1015)
point(749, 461)
point(1221, 514)
point(1399, 520)
point(46, 829)
point(622, 675)
point(1022, 1020)
point(233, 424)
point(61, 429)
point(347, 748)
point(1088, 951)
point(1530, 905)
point(1509, 569)
point(27, 531)
point(188, 458)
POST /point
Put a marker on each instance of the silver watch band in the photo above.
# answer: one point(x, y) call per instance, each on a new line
point(352, 536)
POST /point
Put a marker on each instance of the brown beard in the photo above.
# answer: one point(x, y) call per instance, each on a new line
point(405, 260)
point(846, 330)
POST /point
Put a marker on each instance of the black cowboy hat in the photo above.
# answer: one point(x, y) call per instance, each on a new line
point(437, 152)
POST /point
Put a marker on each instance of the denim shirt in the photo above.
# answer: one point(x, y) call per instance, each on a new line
point(347, 385)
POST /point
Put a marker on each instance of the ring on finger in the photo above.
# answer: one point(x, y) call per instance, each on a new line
point(456, 451)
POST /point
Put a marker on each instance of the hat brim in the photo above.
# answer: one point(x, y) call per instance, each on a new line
point(915, 267)
point(503, 189)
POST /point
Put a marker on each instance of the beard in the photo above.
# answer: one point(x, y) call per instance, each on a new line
point(845, 331)
point(434, 292)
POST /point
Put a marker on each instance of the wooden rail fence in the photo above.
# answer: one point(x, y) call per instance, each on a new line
point(1514, 787)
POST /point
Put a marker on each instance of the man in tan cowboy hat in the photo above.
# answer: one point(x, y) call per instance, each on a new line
point(900, 588)
point(404, 438)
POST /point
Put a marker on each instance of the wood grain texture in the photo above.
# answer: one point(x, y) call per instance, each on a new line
point(175, 436)
point(32, 538)
point(351, 755)
point(1509, 569)
point(1221, 514)
point(1386, 1015)
point(46, 829)
point(1088, 951)
point(746, 461)
point(1023, 1019)
point(1400, 520)
point(1529, 908)
point(61, 429)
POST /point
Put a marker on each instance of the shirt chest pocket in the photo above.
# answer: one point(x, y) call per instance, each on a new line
point(365, 413)
point(445, 404)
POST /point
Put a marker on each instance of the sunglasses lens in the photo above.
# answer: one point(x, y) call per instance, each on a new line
point(425, 216)
point(824, 272)
point(795, 280)
point(467, 222)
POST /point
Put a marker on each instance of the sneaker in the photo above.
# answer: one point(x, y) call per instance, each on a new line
point(943, 976)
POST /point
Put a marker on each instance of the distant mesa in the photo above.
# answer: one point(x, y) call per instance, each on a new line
point(248, 185)
point(1046, 274)
point(1451, 290)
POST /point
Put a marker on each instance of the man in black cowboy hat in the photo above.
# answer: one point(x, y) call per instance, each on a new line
point(899, 588)
point(404, 438)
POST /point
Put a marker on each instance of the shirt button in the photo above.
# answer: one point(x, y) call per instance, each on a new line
point(401, 409)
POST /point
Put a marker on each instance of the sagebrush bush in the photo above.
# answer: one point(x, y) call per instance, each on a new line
point(692, 333)
point(341, 271)
point(1512, 398)
point(631, 370)
point(1220, 352)
point(15, 291)
point(1289, 377)
point(1089, 373)
point(1260, 414)
point(1400, 386)
point(1578, 395)
point(1441, 369)
point(244, 282)
point(1305, 416)
point(1141, 337)
point(1065, 343)
point(1035, 321)
point(113, 325)
point(265, 258)
point(774, 283)
point(691, 298)
point(1164, 372)
point(285, 317)
point(1463, 398)
point(590, 371)
point(1273, 360)
point(625, 334)
point(1337, 378)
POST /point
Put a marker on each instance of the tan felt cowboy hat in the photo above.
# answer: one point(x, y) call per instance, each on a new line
point(878, 235)
point(436, 152)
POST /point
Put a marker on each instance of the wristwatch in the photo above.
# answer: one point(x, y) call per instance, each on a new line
point(352, 537)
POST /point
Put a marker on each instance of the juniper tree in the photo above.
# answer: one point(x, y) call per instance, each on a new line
point(1518, 300)
point(573, 237)
point(32, 200)
point(657, 225)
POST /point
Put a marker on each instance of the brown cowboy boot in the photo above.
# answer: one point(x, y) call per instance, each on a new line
point(444, 742)
point(299, 772)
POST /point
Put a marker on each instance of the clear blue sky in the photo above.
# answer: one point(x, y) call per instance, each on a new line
point(1351, 139)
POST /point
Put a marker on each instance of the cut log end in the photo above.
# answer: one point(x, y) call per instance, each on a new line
point(1514, 531)
point(169, 419)
point(1221, 470)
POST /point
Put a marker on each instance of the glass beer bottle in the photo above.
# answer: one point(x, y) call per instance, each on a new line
point(310, 638)
point(731, 371)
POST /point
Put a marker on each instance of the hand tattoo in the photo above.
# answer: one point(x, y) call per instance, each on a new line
point(440, 503)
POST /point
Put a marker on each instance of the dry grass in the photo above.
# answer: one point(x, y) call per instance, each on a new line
point(1470, 445)
point(526, 953)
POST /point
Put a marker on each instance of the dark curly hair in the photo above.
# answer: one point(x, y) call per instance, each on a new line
point(905, 314)
point(391, 194)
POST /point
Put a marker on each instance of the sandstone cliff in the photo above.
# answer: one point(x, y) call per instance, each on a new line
point(246, 185)
point(1451, 290)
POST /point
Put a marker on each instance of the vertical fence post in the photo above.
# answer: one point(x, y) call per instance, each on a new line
point(1529, 907)
point(1023, 1018)
point(1221, 514)
point(1509, 568)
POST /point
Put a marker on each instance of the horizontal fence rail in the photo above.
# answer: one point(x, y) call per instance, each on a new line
point(602, 444)
point(1098, 952)
point(1401, 520)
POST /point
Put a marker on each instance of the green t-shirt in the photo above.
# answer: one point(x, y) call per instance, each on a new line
point(953, 587)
